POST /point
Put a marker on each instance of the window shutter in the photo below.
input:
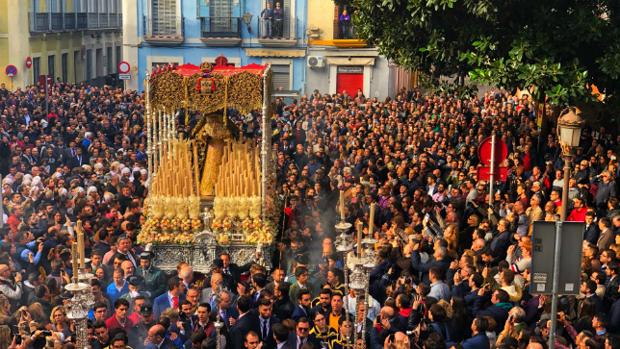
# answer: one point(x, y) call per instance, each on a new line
point(164, 17)
point(220, 13)
point(281, 77)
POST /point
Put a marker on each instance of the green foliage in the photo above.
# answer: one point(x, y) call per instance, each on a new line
point(559, 46)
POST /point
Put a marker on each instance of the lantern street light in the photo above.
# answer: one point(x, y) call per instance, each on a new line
point(570, 124)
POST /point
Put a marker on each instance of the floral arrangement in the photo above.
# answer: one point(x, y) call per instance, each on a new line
point(248, 230)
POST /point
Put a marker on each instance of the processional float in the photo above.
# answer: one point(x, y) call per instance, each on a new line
point(211, 189)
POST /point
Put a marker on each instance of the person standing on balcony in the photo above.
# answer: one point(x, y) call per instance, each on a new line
point(266, 18)
point(278, 21)
point(344, 22)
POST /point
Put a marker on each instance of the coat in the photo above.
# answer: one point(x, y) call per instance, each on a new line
point(479, 341)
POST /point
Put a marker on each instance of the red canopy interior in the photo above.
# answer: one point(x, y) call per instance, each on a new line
point(190, 69)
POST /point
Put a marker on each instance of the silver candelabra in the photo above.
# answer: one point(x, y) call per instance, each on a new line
point(77, 310)
point(344, 245)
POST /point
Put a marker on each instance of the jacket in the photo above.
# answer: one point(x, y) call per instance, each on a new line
point(479, 341)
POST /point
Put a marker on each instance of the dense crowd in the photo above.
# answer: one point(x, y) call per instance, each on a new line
point(452, 271)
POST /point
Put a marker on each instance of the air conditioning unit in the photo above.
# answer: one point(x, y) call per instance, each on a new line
point(316, 62)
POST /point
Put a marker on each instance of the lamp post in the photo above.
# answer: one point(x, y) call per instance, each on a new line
point(570, 124)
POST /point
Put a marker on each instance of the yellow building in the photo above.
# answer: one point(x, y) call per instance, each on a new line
point(71, 40)
point(339, 61)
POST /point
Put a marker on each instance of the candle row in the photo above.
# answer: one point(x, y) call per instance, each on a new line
point(175, 176)
point(239, 173)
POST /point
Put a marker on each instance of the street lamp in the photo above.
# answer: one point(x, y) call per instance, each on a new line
point(569, 135)
point(570, 124)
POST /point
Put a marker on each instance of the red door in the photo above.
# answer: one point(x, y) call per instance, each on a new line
point(350, 79)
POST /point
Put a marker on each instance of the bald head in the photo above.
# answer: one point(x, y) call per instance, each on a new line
point(156, 334)
point(387, 312)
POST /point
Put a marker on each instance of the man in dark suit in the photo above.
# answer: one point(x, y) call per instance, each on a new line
point(588, 288)
point(302, 309)
point(606, 237)
point(265, 321)
point(302, 335)
point(170, 299)
point(232, 270)
point(500, 242)
point(479, 338)
point(223, 308)
point(613, 282)
point(245, 323)
point(591, 233)
point(280, 337)
point(156, 338)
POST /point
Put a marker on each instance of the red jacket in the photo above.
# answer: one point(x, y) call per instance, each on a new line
point(112, 323)
point(577, 215)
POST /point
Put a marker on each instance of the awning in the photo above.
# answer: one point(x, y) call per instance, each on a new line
point(259, 52)
point(350, 60)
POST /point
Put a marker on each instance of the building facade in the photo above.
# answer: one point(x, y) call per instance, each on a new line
point(338, 61)
point(195, 31)
point(69, 40)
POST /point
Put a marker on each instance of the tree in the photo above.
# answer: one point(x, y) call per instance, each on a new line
point(559, 46)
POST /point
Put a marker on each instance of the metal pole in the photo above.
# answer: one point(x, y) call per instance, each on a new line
point(492, 174)
point(346, 285)
point(265, 142)
point(556, 252)
point(1, 206)
point(556, 282)
point(564, 210)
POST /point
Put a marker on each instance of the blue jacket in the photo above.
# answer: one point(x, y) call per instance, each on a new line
point(114, 294)
point(479, 341)
point(161, 303)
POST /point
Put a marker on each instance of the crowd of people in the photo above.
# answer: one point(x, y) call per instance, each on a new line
point(452, 270)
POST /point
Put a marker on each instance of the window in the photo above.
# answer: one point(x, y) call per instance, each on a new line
point(281, 77)
point(164, 17)
point(64, 66)
point(110, 61)
point(118, 55)
point(99, 62)
point(158, 64)
point(76, 59)
point(221, 20)
point(89, 64)
point(36, 68)
point(51, 66)
point(343, 28)
point(279, 29)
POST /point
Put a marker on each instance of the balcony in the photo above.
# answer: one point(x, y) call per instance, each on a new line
point(220, 31)
point(161, 32)
point(70, 21)
point(345, 36)
point(82, 21)
point(275, 33)
point(54, 22)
